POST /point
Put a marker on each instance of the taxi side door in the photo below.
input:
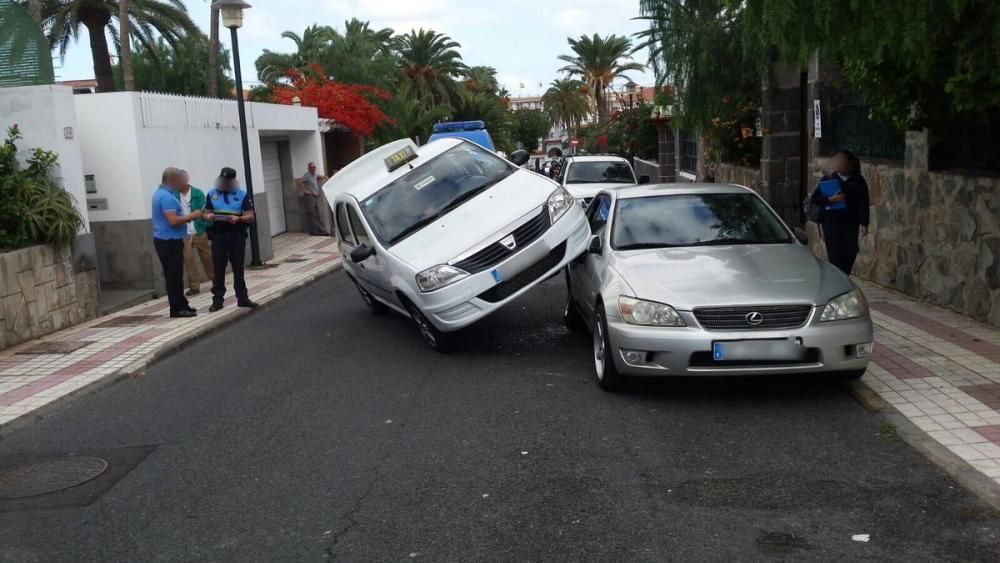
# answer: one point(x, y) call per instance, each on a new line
point(372, 273)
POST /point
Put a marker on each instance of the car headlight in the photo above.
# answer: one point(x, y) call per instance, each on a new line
point(850, 305)
point(439, 276)
point(559, 202)
point(648, 313)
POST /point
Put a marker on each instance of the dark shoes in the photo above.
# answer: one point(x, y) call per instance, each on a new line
point(186, 313)
point(215, 307)
point(247, 303)
point(192, 291)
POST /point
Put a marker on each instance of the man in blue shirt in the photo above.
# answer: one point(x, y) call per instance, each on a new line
point(169, 231)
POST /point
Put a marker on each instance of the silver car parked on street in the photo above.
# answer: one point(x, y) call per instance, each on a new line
point(705, 279)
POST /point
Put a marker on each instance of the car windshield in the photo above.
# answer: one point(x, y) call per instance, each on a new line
point(601, 172)
point(432, 190)
point(695, 220)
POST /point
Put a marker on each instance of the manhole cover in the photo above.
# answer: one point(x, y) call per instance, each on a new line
point(54, 347)
point(49, 476)
point(126, 320)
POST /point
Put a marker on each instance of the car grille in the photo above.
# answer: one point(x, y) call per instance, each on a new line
point(505, 289)
point(736, 318)
point(496, 252)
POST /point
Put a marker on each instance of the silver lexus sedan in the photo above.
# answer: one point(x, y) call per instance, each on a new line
point(705, 279)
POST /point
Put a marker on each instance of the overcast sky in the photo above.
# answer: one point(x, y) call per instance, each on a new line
point(520, 38)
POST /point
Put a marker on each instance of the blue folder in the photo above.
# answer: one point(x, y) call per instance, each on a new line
point(829, 188)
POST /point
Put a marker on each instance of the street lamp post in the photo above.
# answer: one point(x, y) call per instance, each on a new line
point(630, 88)
point(232, 17)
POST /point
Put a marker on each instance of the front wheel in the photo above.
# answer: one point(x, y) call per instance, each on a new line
point(608, 377)
point(438, 341)
point(374, 305)
point(571, 316)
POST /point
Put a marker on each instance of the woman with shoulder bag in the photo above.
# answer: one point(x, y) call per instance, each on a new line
point(843, 215)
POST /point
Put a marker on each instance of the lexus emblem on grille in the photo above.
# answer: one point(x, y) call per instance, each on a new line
point(755, 318)
point(509, 242)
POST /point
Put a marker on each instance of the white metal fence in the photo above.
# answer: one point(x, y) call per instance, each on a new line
point(170, 111)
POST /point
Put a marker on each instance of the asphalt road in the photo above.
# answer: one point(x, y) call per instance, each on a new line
point(312, 430)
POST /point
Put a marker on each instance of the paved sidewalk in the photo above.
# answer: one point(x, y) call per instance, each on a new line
point(942, 371)
point(41, 371)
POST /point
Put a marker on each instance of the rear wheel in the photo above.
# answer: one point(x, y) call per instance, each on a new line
point(374, 305)
point(608, 377)
point(439, 341)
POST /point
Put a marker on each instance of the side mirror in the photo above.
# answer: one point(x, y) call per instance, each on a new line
point(644, 179)
point(362, 253)
point(595, 245)
point(801, 236)
point(519, 157)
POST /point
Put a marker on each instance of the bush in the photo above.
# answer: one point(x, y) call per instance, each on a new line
point(33, 207)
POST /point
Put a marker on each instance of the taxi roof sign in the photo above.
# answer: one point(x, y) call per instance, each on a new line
point(458, 126)
point(399, 158)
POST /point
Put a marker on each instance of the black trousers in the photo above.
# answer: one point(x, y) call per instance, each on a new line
point(228, 248)
point(841, 238)
point(171, 254)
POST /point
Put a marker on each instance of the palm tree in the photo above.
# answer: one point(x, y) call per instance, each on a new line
point(310, 48)
point(470, 106)
point(213, 53)
point(125, 40)
point(430, 64)
point(598, 61)
point(482, 79)
point(566, 103)
point(412, 117)
point(64, 18)
point(362, 55)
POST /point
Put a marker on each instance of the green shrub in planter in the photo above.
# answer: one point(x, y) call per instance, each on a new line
point(34, 209)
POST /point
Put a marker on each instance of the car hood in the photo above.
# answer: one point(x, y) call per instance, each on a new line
point(712, 276)
point(479, 221)
point(581, 191)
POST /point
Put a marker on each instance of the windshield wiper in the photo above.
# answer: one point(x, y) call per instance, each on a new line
point(451, 205)
point(733, 241)
point(642, 245)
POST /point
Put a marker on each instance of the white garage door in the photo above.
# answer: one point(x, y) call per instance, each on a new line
point(272, 185)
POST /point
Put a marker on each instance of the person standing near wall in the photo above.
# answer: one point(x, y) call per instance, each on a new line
point(229, 212)
point(169, 231)
point(308, 186)
point(844, 225)
point(196, 245)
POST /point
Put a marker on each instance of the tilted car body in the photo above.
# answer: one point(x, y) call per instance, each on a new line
point(449, 232)
point(705, 279)
point(585, 175)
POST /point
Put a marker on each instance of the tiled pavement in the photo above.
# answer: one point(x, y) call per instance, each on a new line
point(939, 369)
point(39, 372)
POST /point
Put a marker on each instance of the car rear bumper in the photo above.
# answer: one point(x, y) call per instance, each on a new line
point(469, 300)
point(831, 346)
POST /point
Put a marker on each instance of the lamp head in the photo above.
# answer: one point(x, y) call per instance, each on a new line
point(231, 11)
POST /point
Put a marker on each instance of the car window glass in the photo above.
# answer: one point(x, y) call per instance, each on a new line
point(598, 213)
point(432, 190)
point(342, 225)
point(360, 234)
point(696, 220)
point(600, 172)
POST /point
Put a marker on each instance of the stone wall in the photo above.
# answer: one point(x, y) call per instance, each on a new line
point(41, 293)
point(734, 174)
point(646, 168)
point(935, 235)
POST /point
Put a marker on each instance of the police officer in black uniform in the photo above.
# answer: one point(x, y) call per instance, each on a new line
point(229, 212)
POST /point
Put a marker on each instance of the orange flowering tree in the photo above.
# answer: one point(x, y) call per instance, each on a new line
point(354, 106)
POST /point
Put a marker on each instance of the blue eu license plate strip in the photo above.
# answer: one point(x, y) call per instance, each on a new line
point(496, 276)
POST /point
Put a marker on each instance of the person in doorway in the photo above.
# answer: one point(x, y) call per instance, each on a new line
point(169, 231)
point(843, 225)
point(308, 186)
point(229, 212)
point(196, 244)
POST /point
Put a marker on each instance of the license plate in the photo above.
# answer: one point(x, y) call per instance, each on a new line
point(761, 350)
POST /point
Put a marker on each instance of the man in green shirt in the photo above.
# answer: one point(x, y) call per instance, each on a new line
point(196, 243)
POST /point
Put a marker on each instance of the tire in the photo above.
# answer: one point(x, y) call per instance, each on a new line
point(375, 306)
point(441, 342)
point(605, 370)
point(852, 375)
point(571, 315)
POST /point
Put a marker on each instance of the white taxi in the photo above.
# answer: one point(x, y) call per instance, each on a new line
point(449, 232)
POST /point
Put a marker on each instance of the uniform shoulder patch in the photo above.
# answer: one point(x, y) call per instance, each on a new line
point(215, 195)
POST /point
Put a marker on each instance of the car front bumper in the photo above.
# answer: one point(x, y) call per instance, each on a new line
point(831, 346)
point(464, 302)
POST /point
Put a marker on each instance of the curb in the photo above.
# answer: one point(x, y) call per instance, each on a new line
point(969, 477)
point(138, 367)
